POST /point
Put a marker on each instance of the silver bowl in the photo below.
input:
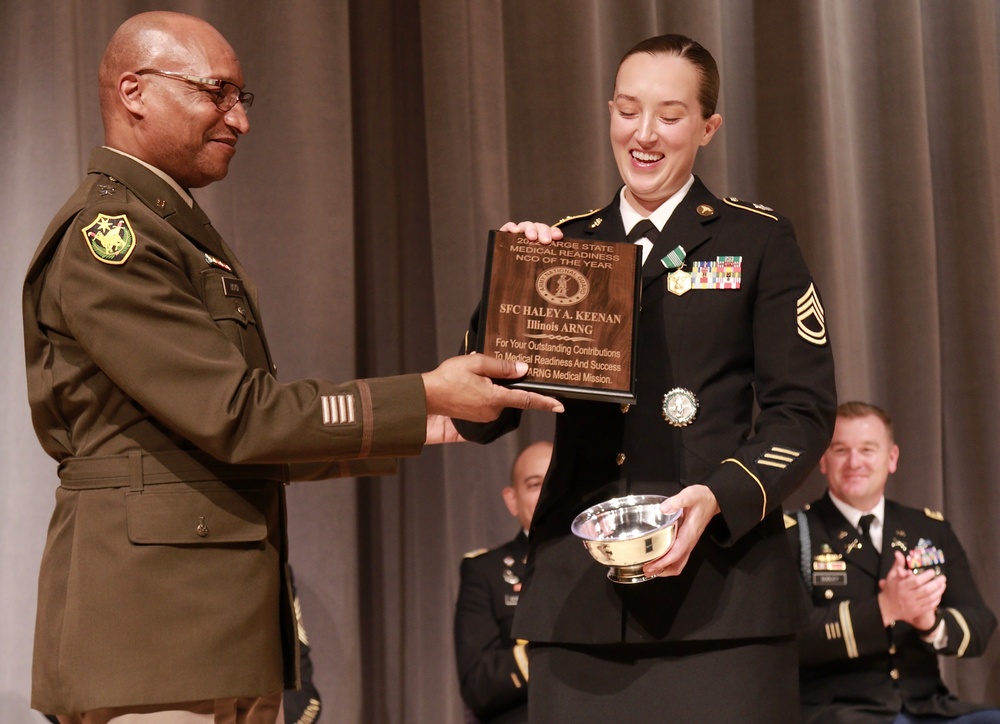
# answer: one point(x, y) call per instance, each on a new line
point(624, 533)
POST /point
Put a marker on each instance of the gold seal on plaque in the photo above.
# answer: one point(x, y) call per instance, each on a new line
point(562, 285)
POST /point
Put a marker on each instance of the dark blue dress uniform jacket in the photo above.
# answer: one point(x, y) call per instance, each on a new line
point(763, 343)
point(490, 664)
point(853, 669)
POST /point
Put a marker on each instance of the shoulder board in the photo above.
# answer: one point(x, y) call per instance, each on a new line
point(564, 219)
point(476, 553)
point(790, 522)
point(933, 514)
point(751, 207)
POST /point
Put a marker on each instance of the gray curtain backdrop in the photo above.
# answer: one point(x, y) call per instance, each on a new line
point(389, 136)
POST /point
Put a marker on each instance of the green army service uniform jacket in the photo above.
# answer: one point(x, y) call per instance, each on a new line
point(150, 383)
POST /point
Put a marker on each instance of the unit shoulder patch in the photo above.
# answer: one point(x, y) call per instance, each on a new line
point(564, 219)
point(110, 238)
point(751, 207)
point(933, 514)
point(476, 553)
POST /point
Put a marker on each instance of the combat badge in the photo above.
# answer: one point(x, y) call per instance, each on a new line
point(110, 238)
point(680, 407)
point(829, 568)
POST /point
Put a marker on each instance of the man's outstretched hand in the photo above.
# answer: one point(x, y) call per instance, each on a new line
point(462, 387)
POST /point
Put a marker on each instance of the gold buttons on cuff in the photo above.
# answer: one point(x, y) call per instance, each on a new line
point(620, 459)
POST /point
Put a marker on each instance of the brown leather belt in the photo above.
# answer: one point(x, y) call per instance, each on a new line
point(136, 469)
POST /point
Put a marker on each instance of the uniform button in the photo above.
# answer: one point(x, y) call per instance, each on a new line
point(620, 459)
point(625, 408)
point(202, 529)
point(892, 649)
point(242, 311)
point(894, 674)
point(828, 594)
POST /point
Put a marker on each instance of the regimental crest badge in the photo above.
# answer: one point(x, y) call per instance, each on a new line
point(110, 238)
point(811, 318)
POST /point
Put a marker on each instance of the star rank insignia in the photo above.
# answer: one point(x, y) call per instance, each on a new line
point(110, 238)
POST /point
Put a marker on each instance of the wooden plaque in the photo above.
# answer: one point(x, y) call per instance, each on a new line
point(570, 309)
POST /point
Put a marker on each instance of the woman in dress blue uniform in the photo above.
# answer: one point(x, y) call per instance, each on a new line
point(730, 318)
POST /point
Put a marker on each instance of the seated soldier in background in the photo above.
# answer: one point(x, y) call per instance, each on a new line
point(889, 589)
point(301, 706)
point(492, 666)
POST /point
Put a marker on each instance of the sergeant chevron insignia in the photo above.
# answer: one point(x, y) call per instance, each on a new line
point(811, 318)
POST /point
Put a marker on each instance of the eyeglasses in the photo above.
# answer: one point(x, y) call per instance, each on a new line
point(224, 94)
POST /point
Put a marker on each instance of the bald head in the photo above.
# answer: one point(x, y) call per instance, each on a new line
point(157, 39)
point(526, 477)
point(167, 121)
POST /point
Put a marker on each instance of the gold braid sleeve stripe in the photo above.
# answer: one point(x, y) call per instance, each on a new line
point(311, 712)
point(521, 657)
point(847, 626)
point(756, 480)
point(966, 634)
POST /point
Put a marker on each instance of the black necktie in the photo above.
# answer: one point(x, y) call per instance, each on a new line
point(865, 524)
point(644, 228)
